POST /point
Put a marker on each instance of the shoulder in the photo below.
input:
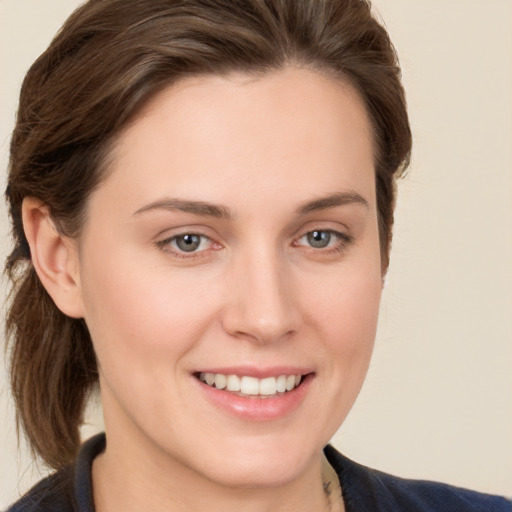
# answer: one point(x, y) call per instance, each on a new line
point(368, 489)
point(68, 490)
point(53, 493)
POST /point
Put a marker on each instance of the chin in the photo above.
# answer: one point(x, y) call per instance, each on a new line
point(260, 463)
point(251, 473)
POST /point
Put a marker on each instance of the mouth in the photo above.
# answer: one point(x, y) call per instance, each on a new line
point(252, 387)
point(256, 394)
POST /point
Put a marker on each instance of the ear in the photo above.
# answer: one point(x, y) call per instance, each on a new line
point(54, 256)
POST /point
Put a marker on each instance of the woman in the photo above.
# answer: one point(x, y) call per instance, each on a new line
point(202, 200)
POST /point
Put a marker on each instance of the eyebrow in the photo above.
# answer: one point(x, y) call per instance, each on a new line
point(222, 212)
point(194, 207)
point(332, 201)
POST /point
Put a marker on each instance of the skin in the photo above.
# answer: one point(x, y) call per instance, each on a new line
point(254, 293)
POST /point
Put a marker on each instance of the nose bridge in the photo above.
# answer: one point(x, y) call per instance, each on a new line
point(262, 305)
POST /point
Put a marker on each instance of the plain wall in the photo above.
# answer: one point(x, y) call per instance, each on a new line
point(437, 403)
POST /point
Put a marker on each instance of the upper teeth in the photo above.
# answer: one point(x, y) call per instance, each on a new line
point(251, 385)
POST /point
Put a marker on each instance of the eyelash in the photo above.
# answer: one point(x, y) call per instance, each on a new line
point(166, 246)
point(342, 241)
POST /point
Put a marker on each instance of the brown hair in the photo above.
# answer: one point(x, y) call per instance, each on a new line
point(109, 58)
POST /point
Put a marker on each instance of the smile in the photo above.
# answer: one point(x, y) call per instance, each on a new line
point(251, 386)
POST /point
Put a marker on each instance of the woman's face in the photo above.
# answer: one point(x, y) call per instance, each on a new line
point(234, 240)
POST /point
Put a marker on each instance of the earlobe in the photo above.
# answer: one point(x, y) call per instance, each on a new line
point(54, 257)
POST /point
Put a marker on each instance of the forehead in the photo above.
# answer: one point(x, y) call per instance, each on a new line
point(292, 126)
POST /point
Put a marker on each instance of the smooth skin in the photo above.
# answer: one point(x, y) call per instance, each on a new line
point(236, 227)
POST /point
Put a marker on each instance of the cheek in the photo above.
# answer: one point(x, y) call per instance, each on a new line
point(344, 319)
point(347, 312)
point(140, 314)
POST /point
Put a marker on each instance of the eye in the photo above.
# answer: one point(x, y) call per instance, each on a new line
point(318, 239)
point(324, 239)
point(186, 243)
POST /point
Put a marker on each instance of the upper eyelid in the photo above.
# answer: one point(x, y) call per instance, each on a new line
point(173, 232)
point(324, 223)
point(340, 231)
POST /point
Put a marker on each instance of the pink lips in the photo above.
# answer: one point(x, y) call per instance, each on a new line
point(257, 408)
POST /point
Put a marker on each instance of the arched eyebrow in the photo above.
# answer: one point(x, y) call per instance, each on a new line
point(332, 201)
point(203, 208)
point(195, 207)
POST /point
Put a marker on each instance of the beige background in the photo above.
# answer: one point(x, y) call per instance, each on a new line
point(438, 400)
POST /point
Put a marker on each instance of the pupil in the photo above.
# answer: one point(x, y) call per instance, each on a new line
point(188, 243)
point(319, 239)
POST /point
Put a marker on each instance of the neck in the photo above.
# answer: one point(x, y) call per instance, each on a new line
point(126, 479)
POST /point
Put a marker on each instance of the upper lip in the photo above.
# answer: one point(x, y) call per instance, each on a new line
point(258, 372)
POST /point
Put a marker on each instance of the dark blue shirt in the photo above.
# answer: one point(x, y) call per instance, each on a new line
point(364, 489)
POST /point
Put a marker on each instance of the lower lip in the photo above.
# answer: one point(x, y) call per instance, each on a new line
point(255, 408)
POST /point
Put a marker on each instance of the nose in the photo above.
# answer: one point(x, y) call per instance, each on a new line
point(262, 305)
